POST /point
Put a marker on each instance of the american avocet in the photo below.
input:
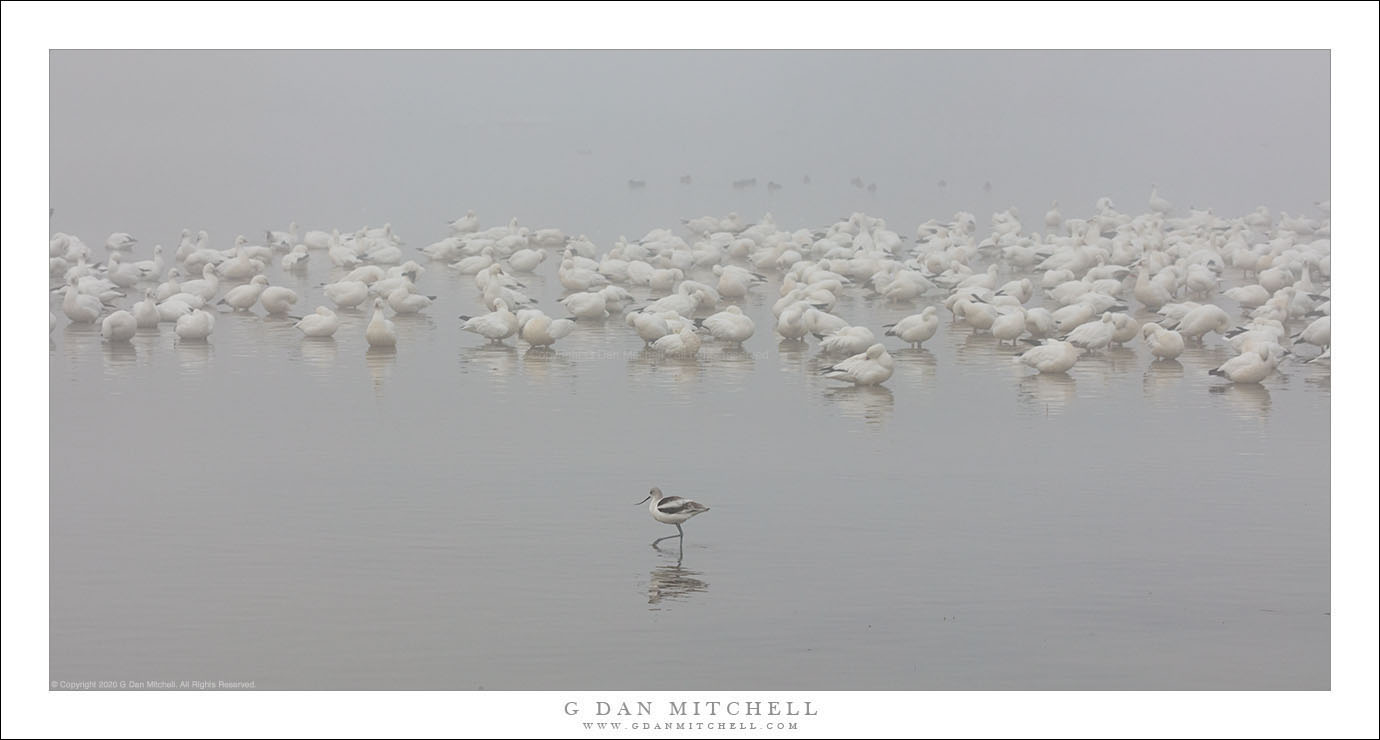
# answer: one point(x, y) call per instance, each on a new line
point(672, 510)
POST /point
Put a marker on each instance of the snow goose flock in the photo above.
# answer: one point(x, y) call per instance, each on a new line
point(1255, 285)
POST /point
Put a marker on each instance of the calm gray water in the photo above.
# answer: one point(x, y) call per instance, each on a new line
point(310, 514)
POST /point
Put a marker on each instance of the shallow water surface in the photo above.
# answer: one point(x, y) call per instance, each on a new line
point(456, 515)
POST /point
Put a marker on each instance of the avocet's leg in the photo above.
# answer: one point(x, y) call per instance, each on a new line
point(680, 534)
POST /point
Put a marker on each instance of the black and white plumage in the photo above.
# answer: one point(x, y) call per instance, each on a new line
point(672, 510)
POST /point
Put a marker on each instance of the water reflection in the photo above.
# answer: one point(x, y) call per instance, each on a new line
point(673, 583)
point(78, 341)
point(319, 355)
point(980, 349)
point(193, 354)
point(873, 404)
point(380, 361)
point(414, 327)
point(606, 332)
point(1247, 400)
point(244, 334)
point(542, 364)
point(730, 363)
point(76, 334)
point(816, 362)
point(119, 357)
point(1320, 379)
point(1162, 377)
point(1205, 357)
point(664, 370)
point(793, 353)
point(1047, 393)
point(281, 328)
point(147, 341)
point(916, 365)
point(498, 361)
point(1110, 361)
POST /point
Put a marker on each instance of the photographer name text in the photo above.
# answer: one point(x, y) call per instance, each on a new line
point(695, 709)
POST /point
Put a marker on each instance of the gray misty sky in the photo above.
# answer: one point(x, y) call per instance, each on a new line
point(238, 141)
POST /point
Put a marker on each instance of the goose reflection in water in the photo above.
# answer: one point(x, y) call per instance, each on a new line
point(793, 354)
point(380, 361)
point(74, 332)
point(673, 583)
point(664, 370)
point(496, 360)
point(1162, 377)
point(193, 354)
point(1047, 393)
point(1247, 400)
point(119, 357)
point(1321, 377)
point(1111, 360)
point(732, 362)
point(148, 342)
point(541, 363)
point(794, 349)
point(920, 365)
point(280, 328)
point(79, 341)
point(977, 348)
point(871, 403)
point(413, 327)
point(319, 354)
